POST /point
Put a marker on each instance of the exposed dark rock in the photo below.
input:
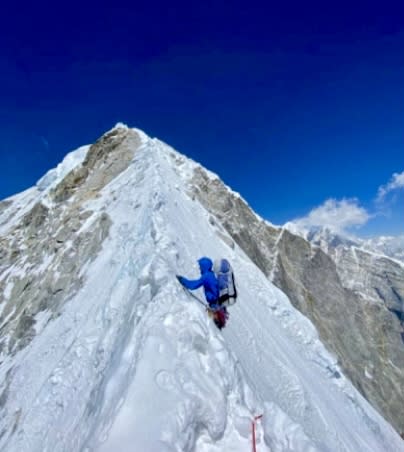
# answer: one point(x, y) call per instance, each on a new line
point(100, 150)
point(72, 181)
point(36, 217)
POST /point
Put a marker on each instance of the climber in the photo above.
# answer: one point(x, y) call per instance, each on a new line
point(210, 285)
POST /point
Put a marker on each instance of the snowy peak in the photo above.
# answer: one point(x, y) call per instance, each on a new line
point(328, 240)
point(102, 350)
point(55, 175)
point(104, 161)
point(325, 237)
point(81, 175)
point(53, 232)
point(390, 246)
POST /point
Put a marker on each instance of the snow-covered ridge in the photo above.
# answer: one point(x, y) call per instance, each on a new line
point(15, 207)
point(75, 158)
point(388, 245)
point(186, 168)
point(54, 176)
point(326, 238)
point(131, 362)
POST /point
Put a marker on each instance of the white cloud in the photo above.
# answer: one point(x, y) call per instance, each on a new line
point(336, 215)
point(396, 182)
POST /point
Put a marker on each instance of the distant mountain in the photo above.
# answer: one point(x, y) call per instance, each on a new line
point(390, 246)
point(324, 237)
point(102, 350)
point(328, 239)
point(371, 267)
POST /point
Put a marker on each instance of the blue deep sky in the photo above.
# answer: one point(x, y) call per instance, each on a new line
point(291, 105)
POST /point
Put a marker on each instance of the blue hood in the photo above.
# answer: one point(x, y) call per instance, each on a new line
point(205, 264)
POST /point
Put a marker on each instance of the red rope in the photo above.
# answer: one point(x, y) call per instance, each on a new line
point(254, 443)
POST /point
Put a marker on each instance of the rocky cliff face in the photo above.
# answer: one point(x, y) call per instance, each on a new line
point(364, 269)
point(375, 277)
point(350, 295)
point(50, 235)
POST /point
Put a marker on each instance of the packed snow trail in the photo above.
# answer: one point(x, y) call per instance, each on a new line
point(134, 363)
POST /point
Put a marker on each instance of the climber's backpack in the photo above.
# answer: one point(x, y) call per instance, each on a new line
point(227, 286)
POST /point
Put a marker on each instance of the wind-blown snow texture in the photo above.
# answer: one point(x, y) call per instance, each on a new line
point(134, 364)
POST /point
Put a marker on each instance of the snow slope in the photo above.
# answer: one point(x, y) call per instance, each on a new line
point(134, 363)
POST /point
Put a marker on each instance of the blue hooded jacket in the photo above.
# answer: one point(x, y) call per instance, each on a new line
point(207, 280)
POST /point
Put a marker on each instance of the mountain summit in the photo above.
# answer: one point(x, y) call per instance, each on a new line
point(101, 348)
